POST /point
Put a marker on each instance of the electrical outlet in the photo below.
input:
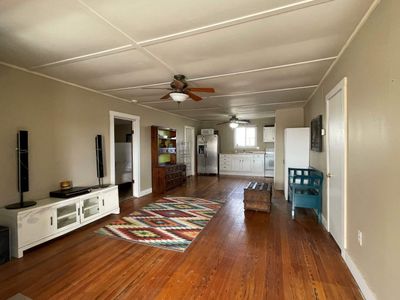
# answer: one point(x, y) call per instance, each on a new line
point(360, 237)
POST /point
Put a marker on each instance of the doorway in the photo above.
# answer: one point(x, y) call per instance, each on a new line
point(189, 150)
point(123, 157)
point(336, 106)
point(125, 153)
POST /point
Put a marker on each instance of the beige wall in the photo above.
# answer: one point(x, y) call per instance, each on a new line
point(284, 118)
point(372, 66)
point(63, 121)
point(227, 137)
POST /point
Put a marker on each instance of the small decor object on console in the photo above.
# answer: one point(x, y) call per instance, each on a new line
point(65, 185)
point(23, 170)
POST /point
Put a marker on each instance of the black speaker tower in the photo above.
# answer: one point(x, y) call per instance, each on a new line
point(99, 159)
point(23, 170)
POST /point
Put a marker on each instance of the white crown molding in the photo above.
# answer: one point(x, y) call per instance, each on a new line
point(65, 82)
point(346, 45)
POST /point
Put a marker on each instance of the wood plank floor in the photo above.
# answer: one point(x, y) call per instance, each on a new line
point(237, 256)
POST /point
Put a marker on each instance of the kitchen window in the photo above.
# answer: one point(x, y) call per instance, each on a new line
point(246, 137)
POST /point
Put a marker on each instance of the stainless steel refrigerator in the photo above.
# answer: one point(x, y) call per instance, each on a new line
point(207, 154)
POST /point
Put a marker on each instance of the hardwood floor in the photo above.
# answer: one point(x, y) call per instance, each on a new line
point(237, 256)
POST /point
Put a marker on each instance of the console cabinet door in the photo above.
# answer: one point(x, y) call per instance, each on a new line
point(90, 207)
point(35, 224)
point(67, 215)
point(109, 201)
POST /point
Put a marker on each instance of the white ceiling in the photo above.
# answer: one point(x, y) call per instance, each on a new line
point(259, 55)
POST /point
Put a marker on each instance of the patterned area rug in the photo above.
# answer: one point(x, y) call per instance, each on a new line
point(170, 223)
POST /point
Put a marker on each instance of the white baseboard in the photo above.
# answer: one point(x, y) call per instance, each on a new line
point(145, 192)
point(366, 291)
point(324, 223)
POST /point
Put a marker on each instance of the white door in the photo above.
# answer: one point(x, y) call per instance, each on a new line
point(336, 164)
point(189, 149)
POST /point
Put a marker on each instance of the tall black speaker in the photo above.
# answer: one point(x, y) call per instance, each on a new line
point(23, 163)
point(22, 169)
point(99, 158)
point(4, 245)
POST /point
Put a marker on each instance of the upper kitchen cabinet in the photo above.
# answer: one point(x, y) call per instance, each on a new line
point(269, 134)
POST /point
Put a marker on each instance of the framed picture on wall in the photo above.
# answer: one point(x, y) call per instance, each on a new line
point(316, 134)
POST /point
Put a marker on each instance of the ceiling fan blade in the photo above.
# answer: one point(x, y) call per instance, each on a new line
point(165, 96)
point(243, 121)
point(223, 123)
point(193, 96)
point(204, 90)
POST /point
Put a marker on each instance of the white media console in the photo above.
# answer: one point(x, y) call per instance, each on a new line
point(52, 217)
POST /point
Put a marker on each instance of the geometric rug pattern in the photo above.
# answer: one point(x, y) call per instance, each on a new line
point(170, 223)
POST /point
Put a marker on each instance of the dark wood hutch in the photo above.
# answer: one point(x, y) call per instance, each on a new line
point(166, 173)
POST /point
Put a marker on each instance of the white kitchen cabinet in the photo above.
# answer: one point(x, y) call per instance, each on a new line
point(242, 164)
point(257, 165)
point(52, 217)
point(269, 134)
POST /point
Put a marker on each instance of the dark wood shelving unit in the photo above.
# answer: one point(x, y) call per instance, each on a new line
point(166, 173)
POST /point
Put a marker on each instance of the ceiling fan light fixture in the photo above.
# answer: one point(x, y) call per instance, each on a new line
point(179, 97)
point(233, 125)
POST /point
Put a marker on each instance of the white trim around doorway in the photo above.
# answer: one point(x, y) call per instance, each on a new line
point(192, 154)
point(135, 149)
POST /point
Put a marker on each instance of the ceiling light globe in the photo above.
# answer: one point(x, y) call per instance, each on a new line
point(233, 125)
point(178, 97)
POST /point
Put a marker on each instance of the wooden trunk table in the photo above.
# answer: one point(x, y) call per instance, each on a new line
point(257, 196)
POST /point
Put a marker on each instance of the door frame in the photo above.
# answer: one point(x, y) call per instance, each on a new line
point(135, 148)
point(342, 85)
point(192, 154)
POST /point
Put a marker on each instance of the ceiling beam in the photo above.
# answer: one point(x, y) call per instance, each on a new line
point(86, 56)
point(245, 93)
point(239, 106)
point(131, 39)
point(263, 92)
point(140, 44)
point(236, 21)
point(230, 74)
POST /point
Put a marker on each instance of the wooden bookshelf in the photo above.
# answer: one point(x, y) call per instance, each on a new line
point(166, 173)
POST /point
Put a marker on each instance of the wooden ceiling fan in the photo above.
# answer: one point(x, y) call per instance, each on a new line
point(234, 122)
point(180, 90)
